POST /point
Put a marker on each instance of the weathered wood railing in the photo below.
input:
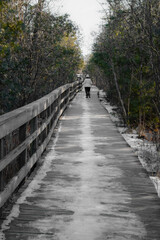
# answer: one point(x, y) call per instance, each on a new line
point(25, 133)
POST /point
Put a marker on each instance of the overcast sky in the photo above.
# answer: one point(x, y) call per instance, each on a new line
point(87, 14)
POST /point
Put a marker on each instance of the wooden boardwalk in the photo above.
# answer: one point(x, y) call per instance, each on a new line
point(89, 186)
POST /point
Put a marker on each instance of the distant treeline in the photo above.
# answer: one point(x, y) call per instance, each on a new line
point(126, 60)
point(39, 51)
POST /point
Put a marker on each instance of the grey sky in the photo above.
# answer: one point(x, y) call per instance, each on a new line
point(87, 14)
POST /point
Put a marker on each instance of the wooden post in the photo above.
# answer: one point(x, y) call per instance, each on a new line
point(1, 156)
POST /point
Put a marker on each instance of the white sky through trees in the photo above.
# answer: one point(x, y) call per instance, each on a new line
point(87, 14)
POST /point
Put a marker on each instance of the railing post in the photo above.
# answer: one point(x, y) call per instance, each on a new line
point(22, 137)
point(36, 127)
point(1, 148)
point(1, 156)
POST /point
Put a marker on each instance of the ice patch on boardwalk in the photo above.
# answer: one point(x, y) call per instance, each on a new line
point(91, 218)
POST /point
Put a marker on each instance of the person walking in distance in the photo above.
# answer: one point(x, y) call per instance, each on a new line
point(87, 86)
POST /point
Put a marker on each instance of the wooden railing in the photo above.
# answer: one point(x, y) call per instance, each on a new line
point(25, 133)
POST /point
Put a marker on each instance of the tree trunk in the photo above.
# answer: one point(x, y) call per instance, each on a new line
point(118, 91)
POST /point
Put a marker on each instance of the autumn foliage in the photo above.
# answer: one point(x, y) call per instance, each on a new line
point(39, 51)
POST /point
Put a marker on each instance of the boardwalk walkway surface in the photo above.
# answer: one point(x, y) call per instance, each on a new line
point(90, 187)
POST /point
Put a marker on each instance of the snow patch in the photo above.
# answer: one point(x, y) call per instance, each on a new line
point(156, 182)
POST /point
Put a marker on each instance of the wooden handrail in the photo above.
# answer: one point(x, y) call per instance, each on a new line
point(25, 133)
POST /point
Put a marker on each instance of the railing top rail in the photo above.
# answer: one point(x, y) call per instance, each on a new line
point(16, 118)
